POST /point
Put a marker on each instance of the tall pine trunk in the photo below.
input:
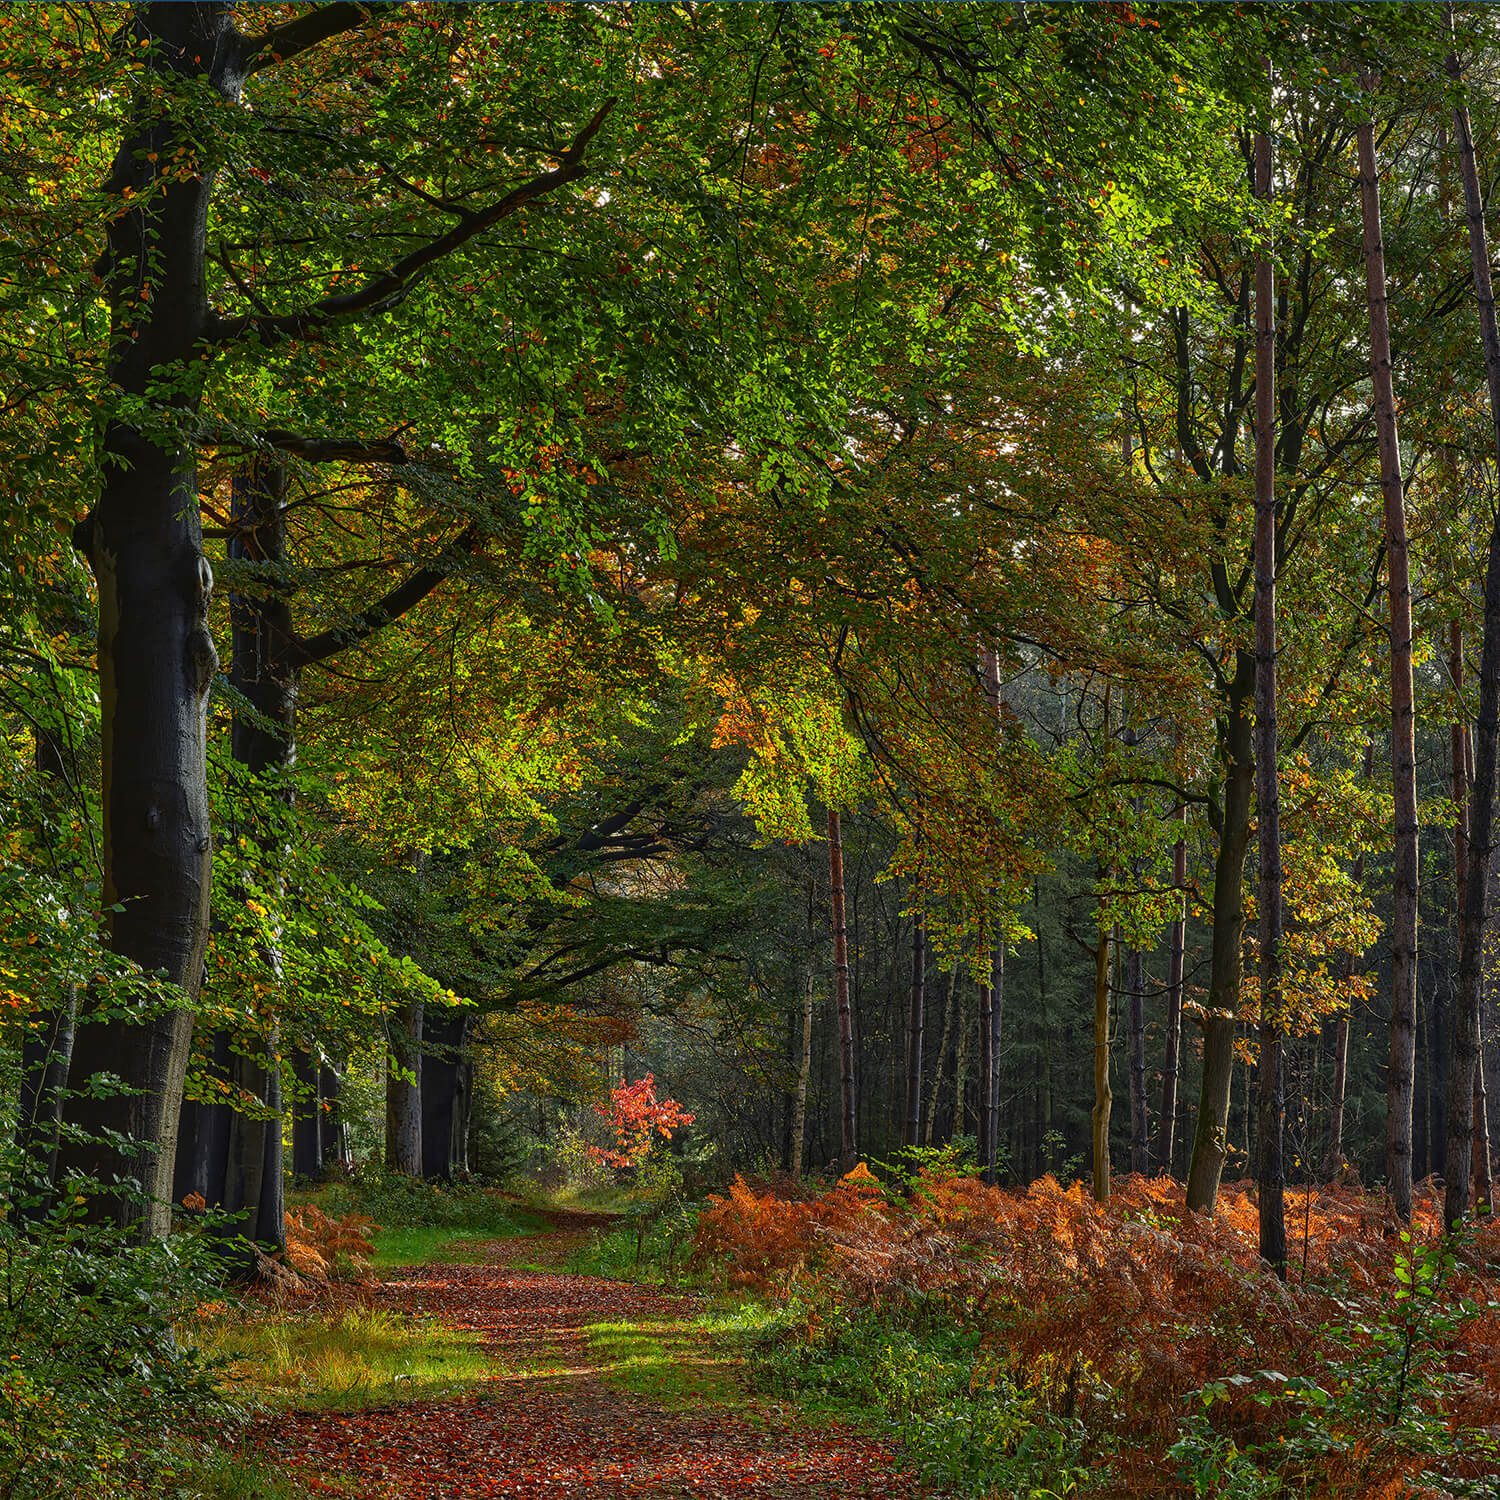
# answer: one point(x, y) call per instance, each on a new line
point(1270, 1104)
point(1463, 1052)
point(804, 1073)
point(1401, 1068)
point(1103, 1098)
point(848, 1141)
point(915, 1028)
point(1140, 1129)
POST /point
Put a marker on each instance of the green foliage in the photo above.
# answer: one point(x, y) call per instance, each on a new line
point(396, 1201)
point(965, 1426)
point(95, 1379)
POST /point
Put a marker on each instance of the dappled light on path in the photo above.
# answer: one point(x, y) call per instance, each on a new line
point(548, 1425)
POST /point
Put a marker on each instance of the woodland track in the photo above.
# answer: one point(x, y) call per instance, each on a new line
point(549, 1425)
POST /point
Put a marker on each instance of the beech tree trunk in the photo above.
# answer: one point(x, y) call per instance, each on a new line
point(333, 1135)
point(403, 1091)
point(307, 1129)
point(915, 1027)
point(156, 658)
point(1400, 1074)
point(1463, 1052)
point(848, 1140)
point(1270, 1104)
point(447, 1088)
point(1171, 1067)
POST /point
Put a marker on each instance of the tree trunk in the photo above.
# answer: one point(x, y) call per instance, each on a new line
point(447, 1085)
point(334, 1141)
point(1463, 1051)
point(1171, 1067)
point(941, 1061)
point(403, 1091)
point(1399, 1078)
point(1102, 1096)
point(804, 1073)
point(1140, 1130)
point(1334, 1161)
point(307, 1126)
point(1210, 1134)
point(47, 1046)
point(1271, 1102)
point(156, 658)
point(992, 995)
point(848, 1145)
point(915, 1027)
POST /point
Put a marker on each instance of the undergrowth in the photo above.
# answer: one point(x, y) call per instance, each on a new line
point(1035, 1344)
point(339, 1358)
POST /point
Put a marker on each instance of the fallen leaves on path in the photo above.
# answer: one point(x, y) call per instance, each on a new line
point(549, 1428)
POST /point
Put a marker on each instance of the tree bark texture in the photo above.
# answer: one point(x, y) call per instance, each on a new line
point(47, 1046)
point(1103, 1098)
point(1270, 1178)
point(848, 1139)
point(804, 1073)
point(156, 658)
point(1401, 1069)
point(1463, 1051)
point(1171, 1067)
point(307, 1133)
point(403, 1091)
point(1135, 998)
point(915, 1028)
point(1211, 1132)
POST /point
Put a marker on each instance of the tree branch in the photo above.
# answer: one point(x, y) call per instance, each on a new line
point(406, 596)
point(319, 25)
point(391, 286)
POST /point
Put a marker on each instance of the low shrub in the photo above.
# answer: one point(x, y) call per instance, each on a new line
point(95, 1385)
point(1136, 1348)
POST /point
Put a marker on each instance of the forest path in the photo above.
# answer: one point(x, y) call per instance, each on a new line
point(551, 1424)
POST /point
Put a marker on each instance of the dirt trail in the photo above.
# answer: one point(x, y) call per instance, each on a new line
point(548, 1426)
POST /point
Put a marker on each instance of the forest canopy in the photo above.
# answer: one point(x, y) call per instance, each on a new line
point(877, 609)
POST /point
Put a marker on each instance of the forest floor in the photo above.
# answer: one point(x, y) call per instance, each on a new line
point(596, 1387)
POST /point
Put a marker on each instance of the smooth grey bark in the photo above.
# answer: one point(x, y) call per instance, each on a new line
point(156, 658)
point(333, 1135)
point(307, 1129)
